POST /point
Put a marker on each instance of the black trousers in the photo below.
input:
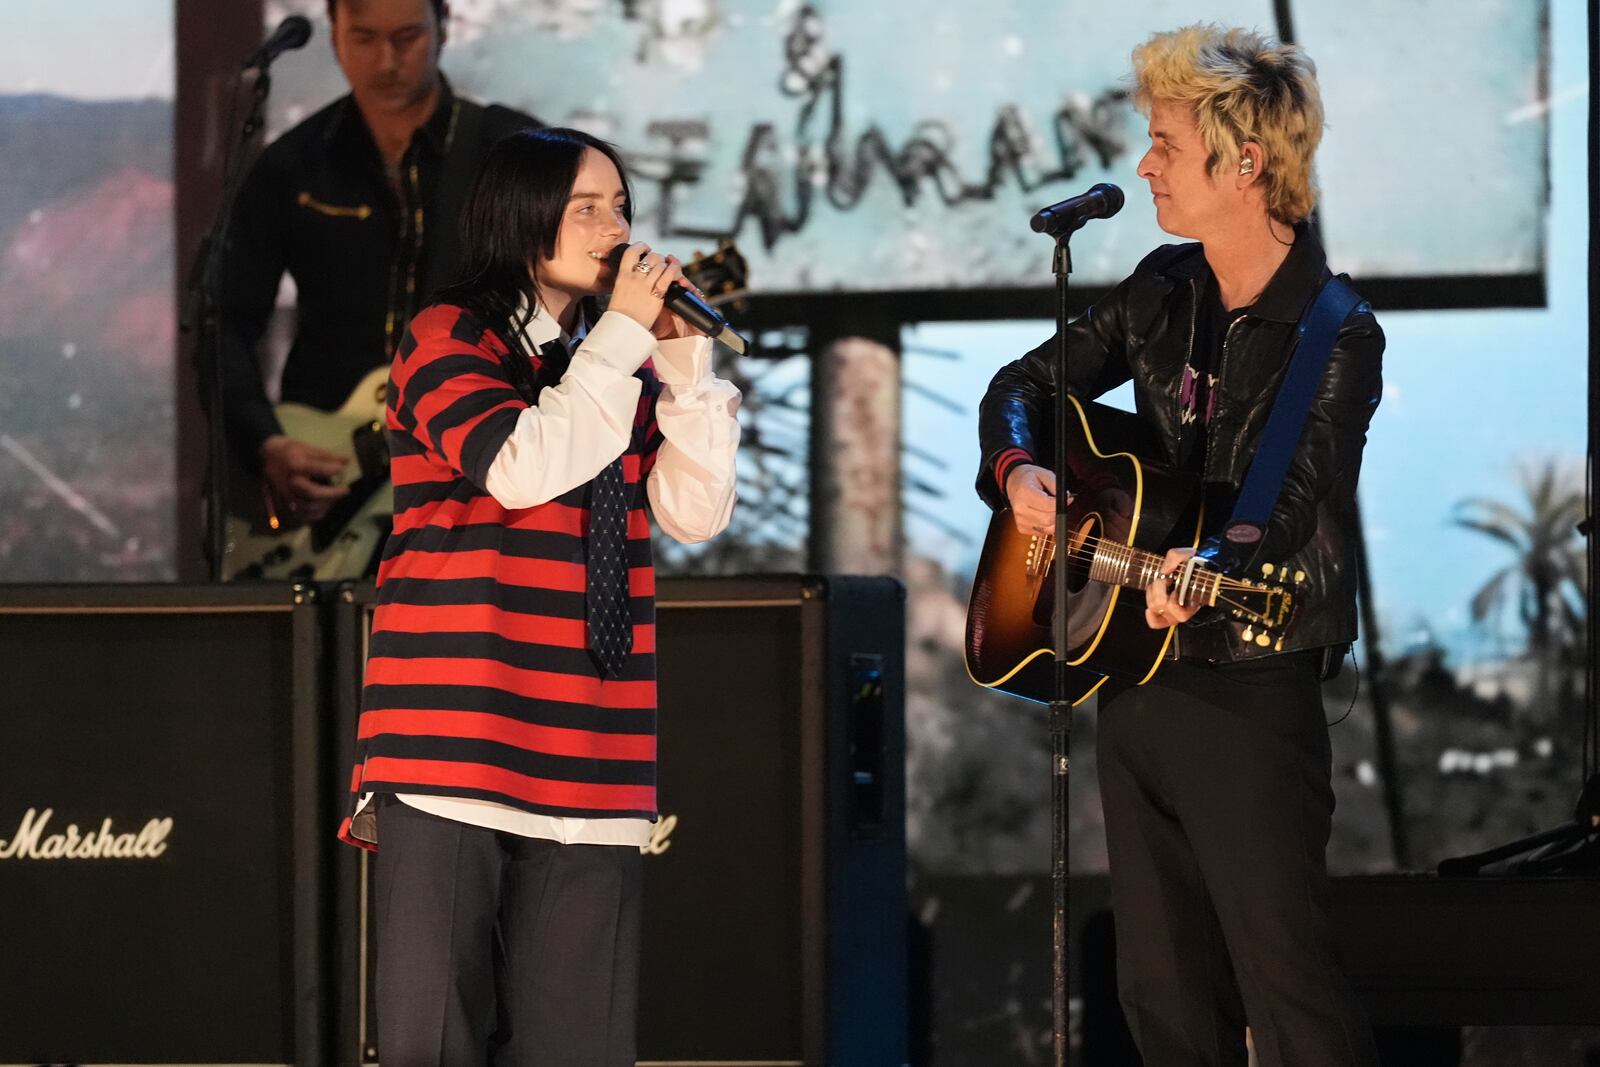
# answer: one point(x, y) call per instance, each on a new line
point(495, 948)
point(1216, 785)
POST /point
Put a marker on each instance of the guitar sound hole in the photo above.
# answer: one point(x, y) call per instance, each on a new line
point(1078, 557)
point(1081, 552)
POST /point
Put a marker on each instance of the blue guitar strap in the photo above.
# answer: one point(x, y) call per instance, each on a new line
point(1318, 329)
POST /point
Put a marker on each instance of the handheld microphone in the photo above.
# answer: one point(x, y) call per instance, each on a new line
point(293, 32)
point(690, 308)
point(1101, 202)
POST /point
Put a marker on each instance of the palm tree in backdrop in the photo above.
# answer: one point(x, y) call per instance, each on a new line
point(1547, 580)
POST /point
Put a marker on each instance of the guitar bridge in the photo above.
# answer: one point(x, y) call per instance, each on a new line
point(1041, 553)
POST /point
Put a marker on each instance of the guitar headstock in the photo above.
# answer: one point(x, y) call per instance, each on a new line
point(1265, 605)
point(723, 276)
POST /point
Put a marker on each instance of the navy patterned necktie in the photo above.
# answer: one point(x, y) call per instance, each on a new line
point(609, 621)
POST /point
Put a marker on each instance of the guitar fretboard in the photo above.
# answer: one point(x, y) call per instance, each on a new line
point(1114, 563)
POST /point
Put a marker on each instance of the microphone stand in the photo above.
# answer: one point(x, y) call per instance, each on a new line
point(1060, 705)
point(202, 314)
point(1061, 221)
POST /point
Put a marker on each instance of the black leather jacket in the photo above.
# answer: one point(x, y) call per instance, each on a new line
point(1143, 330)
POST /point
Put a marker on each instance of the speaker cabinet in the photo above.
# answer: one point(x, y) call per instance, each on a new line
point(161, 838)
point(774, 897)
point(774, 914)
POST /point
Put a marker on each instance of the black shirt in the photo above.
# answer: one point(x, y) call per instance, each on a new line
point(364, 251)
point(1202, 377)
point(1198, 391)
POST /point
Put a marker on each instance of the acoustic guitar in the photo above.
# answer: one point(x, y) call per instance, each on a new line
point(1125, 512)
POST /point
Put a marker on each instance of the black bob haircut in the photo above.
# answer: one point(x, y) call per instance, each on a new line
point(510, 220)
point(438, 9)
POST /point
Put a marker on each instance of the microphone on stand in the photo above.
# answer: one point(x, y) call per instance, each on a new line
point(1101, 202)
point(293, 32)
point(691, 309)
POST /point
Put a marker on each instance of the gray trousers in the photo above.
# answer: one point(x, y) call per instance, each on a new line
point(495, 948)
point(1216, 785)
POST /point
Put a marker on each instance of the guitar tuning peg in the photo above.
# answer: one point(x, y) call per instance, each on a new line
point(1267, 569)
point(1279, 646)
point(1263, 639)
point(1299, 577)
point(1248, 635)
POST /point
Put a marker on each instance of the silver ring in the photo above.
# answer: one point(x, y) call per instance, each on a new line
point(644, 267)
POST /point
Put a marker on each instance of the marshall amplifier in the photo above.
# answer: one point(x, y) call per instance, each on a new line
point(161, 839)
point(774, 901)
point(775, 908)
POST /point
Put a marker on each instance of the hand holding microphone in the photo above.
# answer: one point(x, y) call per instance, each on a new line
point(651, 289)
point(643, 279)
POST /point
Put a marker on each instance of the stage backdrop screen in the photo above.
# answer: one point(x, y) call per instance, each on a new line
point(893, 146)
point(87, 318)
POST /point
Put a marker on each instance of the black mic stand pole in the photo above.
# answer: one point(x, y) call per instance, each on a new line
point(1060, 706)
point(203, 314)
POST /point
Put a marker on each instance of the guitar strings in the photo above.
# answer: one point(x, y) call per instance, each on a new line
point(1088, 547)
point(1134, 554)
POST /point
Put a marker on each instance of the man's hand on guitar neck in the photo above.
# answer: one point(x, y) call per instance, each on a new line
point(1161, 608)
point(1032, 492)
point(297, 475)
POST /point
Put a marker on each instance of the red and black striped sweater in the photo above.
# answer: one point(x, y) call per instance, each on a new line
point(478, 682)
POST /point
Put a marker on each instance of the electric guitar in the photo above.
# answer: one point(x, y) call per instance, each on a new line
point(1125, 513)
point(262, 543)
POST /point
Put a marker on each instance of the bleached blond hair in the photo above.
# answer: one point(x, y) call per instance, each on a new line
point(1241, 86)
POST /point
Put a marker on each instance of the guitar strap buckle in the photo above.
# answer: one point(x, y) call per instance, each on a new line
point(1242, 532)
point(1230, 551)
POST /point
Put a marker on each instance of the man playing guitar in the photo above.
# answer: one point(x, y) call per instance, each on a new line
point(1215, 776)
point(359, 204)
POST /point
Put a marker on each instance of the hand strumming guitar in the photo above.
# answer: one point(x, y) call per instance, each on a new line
point(1031, 490)
point(297, 476)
